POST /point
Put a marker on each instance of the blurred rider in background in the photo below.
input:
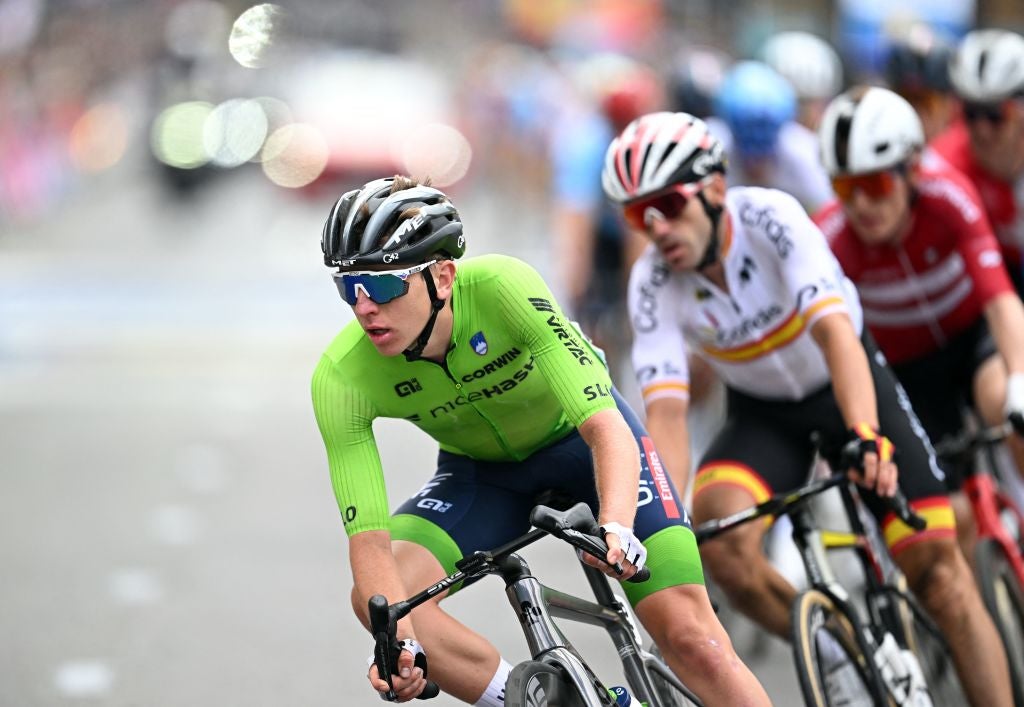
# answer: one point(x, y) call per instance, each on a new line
point(767, 147)
point(812, 67)
point(917, 68)
point(987, 74)
point(593, 249)
point(934, 290)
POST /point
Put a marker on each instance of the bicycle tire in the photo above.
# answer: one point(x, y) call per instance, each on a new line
point(920, 634)
point(828, 677)
point(536, 684)
point(1004, 599)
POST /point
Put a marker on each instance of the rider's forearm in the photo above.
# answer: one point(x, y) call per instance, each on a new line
point(616, 465)
point(1005, 317)
point(847, 362)
point(374, 571)
point(666, 423)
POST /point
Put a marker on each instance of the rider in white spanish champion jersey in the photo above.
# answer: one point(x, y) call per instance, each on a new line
point(757, 336)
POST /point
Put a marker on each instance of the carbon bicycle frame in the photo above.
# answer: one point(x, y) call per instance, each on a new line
point(535, 604)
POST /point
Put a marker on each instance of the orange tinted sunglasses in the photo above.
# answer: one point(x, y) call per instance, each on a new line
point(667, 205)
point(874, 185)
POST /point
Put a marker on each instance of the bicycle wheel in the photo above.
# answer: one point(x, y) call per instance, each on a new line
point(924, 639)
point(1004, 599)
point(830, 663)
point(536, 684)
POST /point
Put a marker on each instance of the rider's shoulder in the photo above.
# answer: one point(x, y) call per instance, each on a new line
point(492, 265)
point(947, 192)
point(761, 208)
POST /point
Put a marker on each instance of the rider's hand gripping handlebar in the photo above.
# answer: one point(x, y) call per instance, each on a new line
point(386, 648)
point(577, 527)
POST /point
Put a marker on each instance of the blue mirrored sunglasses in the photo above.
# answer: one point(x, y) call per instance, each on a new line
point(381, 286)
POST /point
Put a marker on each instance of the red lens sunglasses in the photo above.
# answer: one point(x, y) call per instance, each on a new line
point(666, 205)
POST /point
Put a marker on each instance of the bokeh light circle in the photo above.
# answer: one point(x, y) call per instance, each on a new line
point(294, 155)
point(437, 151)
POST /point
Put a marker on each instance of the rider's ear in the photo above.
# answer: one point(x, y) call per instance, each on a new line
point(444, 276)
point(716, 188)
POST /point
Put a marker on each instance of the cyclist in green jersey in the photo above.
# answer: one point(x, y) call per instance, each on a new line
point(481, 358)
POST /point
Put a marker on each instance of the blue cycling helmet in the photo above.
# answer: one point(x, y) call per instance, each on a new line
point(755, 102)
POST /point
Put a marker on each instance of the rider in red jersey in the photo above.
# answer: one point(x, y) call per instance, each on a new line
point(931, 279)
point(988, 144)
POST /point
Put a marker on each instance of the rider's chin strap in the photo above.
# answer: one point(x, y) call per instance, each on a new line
point(436, 305)
point(715, 214)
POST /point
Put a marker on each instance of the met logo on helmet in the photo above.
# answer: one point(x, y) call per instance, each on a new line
point(405, 229)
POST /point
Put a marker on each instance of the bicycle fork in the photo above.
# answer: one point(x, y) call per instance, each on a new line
point(546, 642)
point(897, 670)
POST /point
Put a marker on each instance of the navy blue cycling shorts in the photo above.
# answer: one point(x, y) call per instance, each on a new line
point(472, 505)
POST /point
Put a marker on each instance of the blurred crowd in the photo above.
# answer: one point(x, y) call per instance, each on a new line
point(506, 94)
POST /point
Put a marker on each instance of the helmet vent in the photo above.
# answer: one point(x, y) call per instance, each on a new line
point(881, 147)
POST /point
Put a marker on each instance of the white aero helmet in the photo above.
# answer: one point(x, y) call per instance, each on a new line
point(868, 130)
point(988, 66)
point(807, 61)
point(657, 151)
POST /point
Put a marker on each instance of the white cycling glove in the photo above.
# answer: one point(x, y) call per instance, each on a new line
point(406, 644)
point(635, 551)
point(1014, 394)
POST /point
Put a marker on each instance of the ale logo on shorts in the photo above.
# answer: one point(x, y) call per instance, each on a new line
point(479, 343)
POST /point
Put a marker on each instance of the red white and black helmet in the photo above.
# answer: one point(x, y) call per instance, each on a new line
point(658, 151)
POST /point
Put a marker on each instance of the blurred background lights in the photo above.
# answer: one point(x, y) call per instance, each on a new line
point(277, 114)
point(234, 132)
point(19, 23)
point(196, 28)
point(177, 137)
point(253, 34)
point(99, 138)
point(294, 155)
point(437, 151)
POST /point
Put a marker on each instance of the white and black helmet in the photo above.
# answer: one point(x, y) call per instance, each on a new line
point(366, 227)
point(657, 151)
point(867, 130)
point(807, 61)
point(988, 66)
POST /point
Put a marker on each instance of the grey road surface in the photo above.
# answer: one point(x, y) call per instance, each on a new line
point(168, 533)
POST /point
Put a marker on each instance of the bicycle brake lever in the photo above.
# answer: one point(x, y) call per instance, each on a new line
point(383, 630)
point(898, 503)
point(386, 649)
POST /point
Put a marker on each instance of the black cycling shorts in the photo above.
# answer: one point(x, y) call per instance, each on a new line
point(472, 505)
point(766, 447)
point(941, 385)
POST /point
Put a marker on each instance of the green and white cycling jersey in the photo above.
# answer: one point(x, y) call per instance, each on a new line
point(518, 376)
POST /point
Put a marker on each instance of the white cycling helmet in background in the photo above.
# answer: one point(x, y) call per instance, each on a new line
point(988, 66)
point(868, 130)
point(807, 61)
point(658, 151)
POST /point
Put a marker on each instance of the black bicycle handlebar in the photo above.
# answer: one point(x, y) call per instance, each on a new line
point(577, 527)
point(386, 649)
point(780, 503)
point(967, 442)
